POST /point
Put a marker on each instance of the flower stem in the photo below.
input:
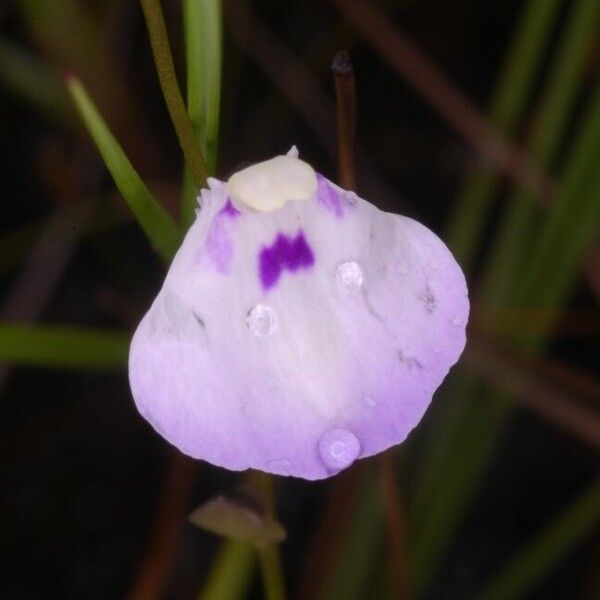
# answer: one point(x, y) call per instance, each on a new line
point(161, 50)
point(270, 560)
point(345, 92)
point(270, 566)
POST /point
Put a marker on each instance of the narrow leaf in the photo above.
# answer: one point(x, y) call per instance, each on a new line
point(509, 100)
point(62, 347)
point(203, 44)
point(34, 83)
point(230, 574)
point(154, 220)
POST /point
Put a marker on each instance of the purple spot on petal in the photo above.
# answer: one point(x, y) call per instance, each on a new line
point(328, 197)
point(284, 254)
point(229, 209)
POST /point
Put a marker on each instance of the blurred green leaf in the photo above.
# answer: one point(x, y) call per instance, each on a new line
point(154, 220)
point(203, 44)
point(544, 552)
point(557, 253)
point(240, 517)
point(34, 82)
point(63, 347)
point(462, 445)
point(357, 553)
point(551, 119)
point(509, 100)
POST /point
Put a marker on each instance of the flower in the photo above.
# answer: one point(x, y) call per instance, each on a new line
point(299, 328)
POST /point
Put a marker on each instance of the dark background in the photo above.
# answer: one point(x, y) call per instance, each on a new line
point(81, 474)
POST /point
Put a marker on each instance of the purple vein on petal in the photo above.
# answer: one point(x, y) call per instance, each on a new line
point(284, 254)
point(229, 209)
point(219, 242)
point(328, 197)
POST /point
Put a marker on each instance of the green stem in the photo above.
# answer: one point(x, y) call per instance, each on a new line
point(270, 566)
point(231, 572)
point(168, 82)
point(270, 559)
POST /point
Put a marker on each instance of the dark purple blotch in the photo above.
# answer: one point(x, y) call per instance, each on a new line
point(229, 209)
point(284, 254)
point(328, 196)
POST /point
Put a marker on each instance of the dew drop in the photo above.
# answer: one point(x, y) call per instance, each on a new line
point(370, 401)
point(338, 449)
point(349, 276)
point(261, 320)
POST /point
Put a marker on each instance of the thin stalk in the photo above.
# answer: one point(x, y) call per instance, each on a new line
point(270, 566)
point(405, 58)
point(395, 517)
point(230, 573)
point(161, 50)
point(345, 92)
point(270, 559)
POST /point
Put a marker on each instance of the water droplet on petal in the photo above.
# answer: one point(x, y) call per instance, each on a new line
point(261, 320)
point(338, 449)
point(349, 276)
point(370, 401)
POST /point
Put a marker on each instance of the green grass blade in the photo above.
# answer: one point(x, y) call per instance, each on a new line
point(556, 252)
point(551, 120)
point(543, 280)
point(203, 42)
point(154, 220)
point(509, 101)
point(358, 551)
point(63, 347)
point(529, 566)
point(34, 83)
point(203, 45)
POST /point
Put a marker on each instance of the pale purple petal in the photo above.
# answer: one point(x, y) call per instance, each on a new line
point(298, 340)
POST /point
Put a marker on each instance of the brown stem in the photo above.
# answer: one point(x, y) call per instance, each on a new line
point(345, 93)
point(155, 567)
point(161, 50)
point(403, 56)
point(395, 526)
point(533, 390)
